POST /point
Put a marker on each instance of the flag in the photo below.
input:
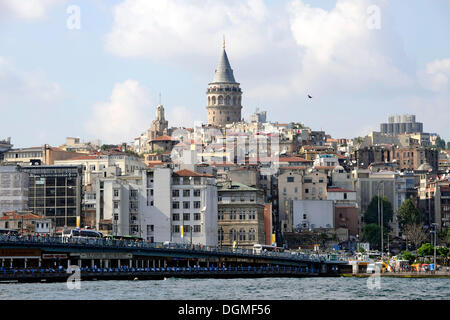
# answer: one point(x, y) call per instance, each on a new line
point(181, 230)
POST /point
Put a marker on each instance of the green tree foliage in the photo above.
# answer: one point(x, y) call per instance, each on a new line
point(442, 251)
point(372, 234)
point(108, 147)
point(371, 214)
point(408, 214)
point(440, 143)
point(427, 249)
point(407, 255)
point(448, 145)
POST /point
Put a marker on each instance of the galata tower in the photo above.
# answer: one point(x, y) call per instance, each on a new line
point(224, 95)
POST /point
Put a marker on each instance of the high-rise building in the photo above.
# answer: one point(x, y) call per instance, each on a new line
point(224, 95)
point(55, 192)
point(401, 124)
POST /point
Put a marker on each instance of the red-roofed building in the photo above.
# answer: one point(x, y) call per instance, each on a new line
point(25, 222)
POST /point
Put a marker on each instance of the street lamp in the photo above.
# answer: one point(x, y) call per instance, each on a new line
point(381, 216)
point(435, 236)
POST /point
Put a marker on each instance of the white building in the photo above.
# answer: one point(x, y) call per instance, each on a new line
point(313, 214)
point(154, 204)
point(194, 206)
point(326, 160)
point(93, 164)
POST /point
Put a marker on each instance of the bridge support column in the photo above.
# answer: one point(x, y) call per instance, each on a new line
point(188, 263)
point(92, 263)
point(131, 263)
point(159, 263)
point(68, 263)
point(118, 263)
point(25, 263)
point(154, 263)
point(207, 263)
point(3, 263)
point(165, 263)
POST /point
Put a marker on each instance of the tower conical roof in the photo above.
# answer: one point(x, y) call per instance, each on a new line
point(224, 73)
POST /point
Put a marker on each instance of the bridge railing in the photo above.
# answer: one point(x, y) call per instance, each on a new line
point(108, 243)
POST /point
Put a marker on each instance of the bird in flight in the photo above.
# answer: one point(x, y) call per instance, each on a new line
point(309, 96)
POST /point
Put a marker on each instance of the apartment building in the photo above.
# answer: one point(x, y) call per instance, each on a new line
point(240, 215)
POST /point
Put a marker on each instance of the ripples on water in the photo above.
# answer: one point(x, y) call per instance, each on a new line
point(233, 289)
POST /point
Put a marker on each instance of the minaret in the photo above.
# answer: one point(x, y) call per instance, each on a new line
point(224, 95)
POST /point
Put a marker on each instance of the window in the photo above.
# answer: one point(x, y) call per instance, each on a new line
point(242, 235)
point(220, 215)
point(304, 216)
point(116, 204)
point(186, 204)
point(176, 217)
point(186, 216)
point(175, 193)
point(176, 229)
point(197, 228)
point(196, 193)
point(232, 215)
point(116, 192)
point(290, 179)
point(241, 215)
point(197, 216)
point(92, 167)
point(196, 204)
point(296, 190)
point(186, 228)
point(175, 205)
point(252, 215)
point(233, 235)
point(220, 235)
point(186, 193)
point(306, 190)
point(252, 235)
point(345, 196)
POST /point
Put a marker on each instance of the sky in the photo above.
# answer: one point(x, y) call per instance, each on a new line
point(94, 69)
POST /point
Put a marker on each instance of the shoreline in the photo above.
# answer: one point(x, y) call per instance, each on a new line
point(443, 275)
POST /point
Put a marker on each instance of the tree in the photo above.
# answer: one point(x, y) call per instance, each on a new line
point(407, 255)
point(415, 234)
point(448, 145)
point(443, 251)
point(440, 143)
point(408, 214)
point(372, 234)
point(426, 249)
point(371, 214)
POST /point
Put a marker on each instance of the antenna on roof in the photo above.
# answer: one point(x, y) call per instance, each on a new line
point(224, 41)
point(160, 98)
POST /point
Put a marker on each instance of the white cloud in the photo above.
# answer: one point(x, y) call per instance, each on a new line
point(341, 52)
point(26, 9)
point(124, 116)
point(173, 29)
point(436, 75)
point(24, 88)
point(293, 48)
